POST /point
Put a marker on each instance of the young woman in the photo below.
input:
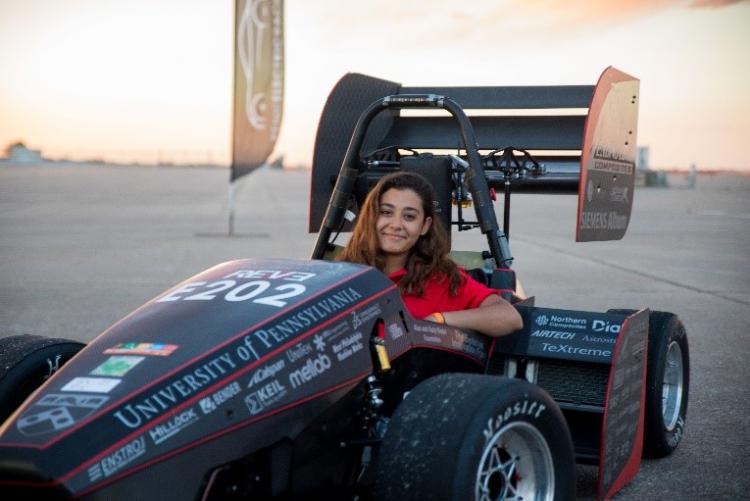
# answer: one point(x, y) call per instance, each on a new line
point(397, 232)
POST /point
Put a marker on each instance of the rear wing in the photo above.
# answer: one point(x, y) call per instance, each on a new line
point(589, 151)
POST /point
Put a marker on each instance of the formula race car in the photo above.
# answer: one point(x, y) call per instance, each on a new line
point(290, 379)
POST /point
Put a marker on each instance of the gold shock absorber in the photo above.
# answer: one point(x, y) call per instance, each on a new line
point(381, 355)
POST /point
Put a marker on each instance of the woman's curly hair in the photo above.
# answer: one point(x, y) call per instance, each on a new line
point(428, 257)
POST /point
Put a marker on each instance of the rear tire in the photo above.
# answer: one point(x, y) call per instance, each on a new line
point(667, 385)
point(25, 363)
point(474, 437)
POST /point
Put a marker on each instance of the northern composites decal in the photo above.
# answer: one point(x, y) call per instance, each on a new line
point(57, 411)
point(561, 321)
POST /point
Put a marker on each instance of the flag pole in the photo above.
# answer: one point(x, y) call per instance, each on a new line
point(230, 231)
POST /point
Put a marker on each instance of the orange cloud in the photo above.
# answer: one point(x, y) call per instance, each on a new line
point(714, 4)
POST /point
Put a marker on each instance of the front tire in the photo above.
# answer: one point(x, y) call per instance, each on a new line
point(25, 363)
point(468, 436)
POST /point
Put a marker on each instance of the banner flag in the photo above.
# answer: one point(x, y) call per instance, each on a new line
point(258, 82)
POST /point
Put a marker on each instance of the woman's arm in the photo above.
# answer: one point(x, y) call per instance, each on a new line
point(494, 317)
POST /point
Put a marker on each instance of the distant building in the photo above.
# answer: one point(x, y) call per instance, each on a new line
point(19, 153)
point(642, 161)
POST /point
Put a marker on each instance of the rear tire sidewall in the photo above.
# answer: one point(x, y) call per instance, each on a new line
point(664, 329)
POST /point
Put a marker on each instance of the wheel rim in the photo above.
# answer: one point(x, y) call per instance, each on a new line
point(672, 386)
point(516, 464)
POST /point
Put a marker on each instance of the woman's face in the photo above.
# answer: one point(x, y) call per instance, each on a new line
point(401, 222)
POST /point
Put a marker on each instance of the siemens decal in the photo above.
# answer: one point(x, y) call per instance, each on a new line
point(308, 316)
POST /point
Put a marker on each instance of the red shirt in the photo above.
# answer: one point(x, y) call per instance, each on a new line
point(436, 297)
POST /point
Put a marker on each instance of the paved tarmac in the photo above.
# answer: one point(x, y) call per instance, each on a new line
point(81, 246)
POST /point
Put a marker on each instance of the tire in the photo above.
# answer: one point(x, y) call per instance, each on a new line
point(667, 383)
point(467, 436)
point(25, 363)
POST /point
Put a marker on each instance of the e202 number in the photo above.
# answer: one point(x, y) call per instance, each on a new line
point(255, 290)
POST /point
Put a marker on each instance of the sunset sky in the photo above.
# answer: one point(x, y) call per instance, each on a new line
point(151, 80)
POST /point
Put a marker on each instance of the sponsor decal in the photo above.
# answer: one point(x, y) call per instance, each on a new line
point(265, 373)
point(430, 328)
point(211, 403)
point(356, 320)
point(606, 160)
point(173, 426)
point(468, 344)
point(542, 320)
point(312, 369)
point(118, 459)
point(596, 339)
point(593, 220)
point(57, 411)
point(348, 346)
point(548, 334)
point(303, 319)
point(91, 384)
point(576, 350)
point(291, 276)
point(615, 167)
point(157, 349)
point(298, 352)
point(319, 342)
point(525, 408)
point(117, 366)
point(605, 326)
point(566, 322)
point(619, 195)
point(158, 401)
point(265, 396)
point(370, 313)
point(395, 331)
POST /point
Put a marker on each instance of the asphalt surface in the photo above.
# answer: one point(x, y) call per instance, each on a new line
point(81, 246)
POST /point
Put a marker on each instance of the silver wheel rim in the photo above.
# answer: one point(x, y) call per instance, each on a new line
point(516, 464)
point(672, 386)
